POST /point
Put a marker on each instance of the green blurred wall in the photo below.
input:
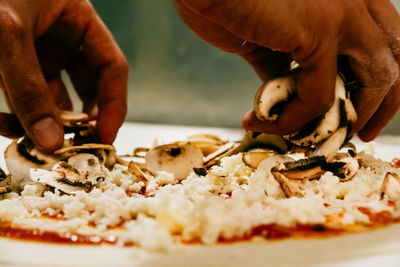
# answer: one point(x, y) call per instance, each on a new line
point(176, 77)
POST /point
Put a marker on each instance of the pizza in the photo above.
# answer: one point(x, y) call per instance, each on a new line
point(202, 190)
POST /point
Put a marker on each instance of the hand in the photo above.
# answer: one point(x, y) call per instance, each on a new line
point(40, 38)
point(269, 34)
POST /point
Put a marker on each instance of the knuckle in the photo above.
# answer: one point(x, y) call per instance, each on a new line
point(122, 64)
point(387, 75)
point(30, 102)
point(10, 22)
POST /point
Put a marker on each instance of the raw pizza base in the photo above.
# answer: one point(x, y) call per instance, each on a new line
point(380, 245)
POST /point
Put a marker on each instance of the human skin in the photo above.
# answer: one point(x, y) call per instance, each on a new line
point(269, 34)
point(39, 39)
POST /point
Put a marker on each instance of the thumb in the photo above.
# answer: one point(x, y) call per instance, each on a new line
point(28, 92)
point(315, 93)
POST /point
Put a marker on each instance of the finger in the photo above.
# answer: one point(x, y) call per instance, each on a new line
point(266, 63)
point(258, 22)
point(382, 116)
point(59, 92)
point(10, 126)
point(263, 22)
point(388, 20)
point(82, 79)
point(105, 59)
point(27, 89)
point(315, 96)
point(373, 65)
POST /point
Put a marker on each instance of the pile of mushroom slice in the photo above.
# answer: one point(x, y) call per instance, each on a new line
point(202, 151)
point(290, 173)
point(74, 167)
point(321, 140)
point(197, 153)
point(325, 134)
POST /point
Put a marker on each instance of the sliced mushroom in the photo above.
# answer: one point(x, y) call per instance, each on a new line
point(254, 158)
point(58, 180)
point(351, 165)
point(272, 96)
point(207, 143)
point(323, 129)
point(291, 188)
point(81, 172)
point(391, 186)
point(340, 114)
point(331, 146)
point(308, 168)
point(178, 158)
point(88, 165)
point(140, 152)
point(224, 151)
point(5, 182)
point(70, 175)
point(253, 140)
point(22, 156)
point(70, 150)
point(73, 117)
point(137, 172)
point(106, 153)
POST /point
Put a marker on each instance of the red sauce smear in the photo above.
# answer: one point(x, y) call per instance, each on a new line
point(383, 217)
point(276, 232)
point(54, 237)
point(271, 232)
point(395, 163)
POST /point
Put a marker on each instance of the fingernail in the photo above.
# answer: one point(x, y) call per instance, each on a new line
point(47, 133)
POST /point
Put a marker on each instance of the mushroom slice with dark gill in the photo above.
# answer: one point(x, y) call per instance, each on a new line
point(207, 143)
point(20, 156)
point(134, 169)
point(351, 165)
point(291, 188)
point(252, 140)
point(106, 153)
point(292, 174)
point(309, 168)
point(5, 182)
point(302, 169)
point(67, 181)
point(340, 115)
point(272, 96)
point(254, 158)
point(226, 150)
point(178, 158)
point(88, 165)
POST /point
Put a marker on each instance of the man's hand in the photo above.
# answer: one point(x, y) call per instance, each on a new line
point(38, 39)
point(269, 34)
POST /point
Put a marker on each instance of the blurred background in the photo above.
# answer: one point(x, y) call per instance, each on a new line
point(176, 78)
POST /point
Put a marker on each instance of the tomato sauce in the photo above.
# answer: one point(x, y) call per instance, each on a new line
point(395, 163)
point(54, 237)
